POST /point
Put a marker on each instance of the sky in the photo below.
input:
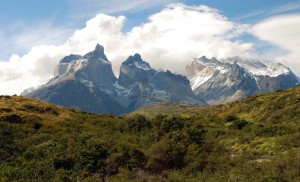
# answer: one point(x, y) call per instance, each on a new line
point(35, 34)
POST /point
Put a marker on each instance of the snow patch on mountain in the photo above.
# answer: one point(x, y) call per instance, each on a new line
point(206, 68)
point(236, 78)
point(88, 84)
point(214, 64)
point(199, 80)
point(260, 67)
point(142, 66)
point(79, 64)
point(117, 86)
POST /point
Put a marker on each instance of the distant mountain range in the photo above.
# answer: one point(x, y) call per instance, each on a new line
point(227, 80)
point(88, 82)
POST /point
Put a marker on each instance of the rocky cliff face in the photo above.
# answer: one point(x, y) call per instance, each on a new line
point(233, 79)
point(94, 70)
point(134, 70)
point(146, 86)
point(75, 94)
point(88, 83)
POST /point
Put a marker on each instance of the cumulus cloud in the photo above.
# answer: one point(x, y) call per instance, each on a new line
point(31, 70)
point(282, 31)
point(168, 40)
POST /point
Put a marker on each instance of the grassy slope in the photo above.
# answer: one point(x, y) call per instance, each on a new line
point(278, 112)
point(272, 107)
point(256, 139)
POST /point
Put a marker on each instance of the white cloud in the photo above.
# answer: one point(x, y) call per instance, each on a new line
point(282, 31)
point(31, 70)
point(169, 40)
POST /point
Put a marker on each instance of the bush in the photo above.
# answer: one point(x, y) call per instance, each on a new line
point(231, 118)
point(196, 133)
point(169, 124)
point(93, 156)
point(63, 163)
point(165, 155)
point(138, 123)
point(239, 124)
point(13, 118)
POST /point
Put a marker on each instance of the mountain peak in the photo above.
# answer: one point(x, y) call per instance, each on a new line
point(259, 66)
point(136, 61)
point(70, 58)
point(98, 52)
point(135, 58)
point(134, 70)
point(203, 57)
point(99, 47)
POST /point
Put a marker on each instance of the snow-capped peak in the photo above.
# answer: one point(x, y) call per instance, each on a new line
point(142, 66)
point(260, 67)
point(214, 64)
point(204, 67)
point(236, 78)
point(136, 61)
point(67, 68)
point(97, 55)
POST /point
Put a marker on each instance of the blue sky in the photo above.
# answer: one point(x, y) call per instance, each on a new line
point(33, 32)
point(71, 14)
point(63, 10)
point(17, 15)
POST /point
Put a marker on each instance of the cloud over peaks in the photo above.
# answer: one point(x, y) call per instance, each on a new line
point(282, 31)
point(169, 40)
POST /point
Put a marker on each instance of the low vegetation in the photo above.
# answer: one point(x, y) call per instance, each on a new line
point(257, 139)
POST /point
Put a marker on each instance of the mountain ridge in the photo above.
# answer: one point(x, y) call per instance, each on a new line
point(231, 79)
point(207, 80)
point(91, 76)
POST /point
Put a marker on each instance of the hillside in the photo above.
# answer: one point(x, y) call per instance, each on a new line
point(280, 106)
point(256, 139)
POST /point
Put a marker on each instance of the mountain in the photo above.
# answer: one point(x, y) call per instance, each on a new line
point(88, 83)
point(141, 85)
point(82, 82)
point(94, 70)
point(256, 139)
point(227, 80)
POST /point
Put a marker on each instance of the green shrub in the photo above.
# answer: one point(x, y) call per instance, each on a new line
point(239, 124)
point(231, 118)
point(138, 123)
